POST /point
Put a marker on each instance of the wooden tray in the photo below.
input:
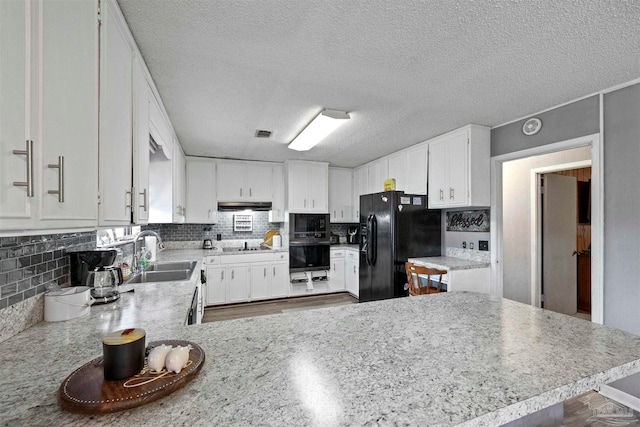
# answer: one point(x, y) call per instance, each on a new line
point(86, 391)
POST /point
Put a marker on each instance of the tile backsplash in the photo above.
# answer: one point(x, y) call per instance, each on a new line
point(224, 226)
point(29, 263)
point(341, 229)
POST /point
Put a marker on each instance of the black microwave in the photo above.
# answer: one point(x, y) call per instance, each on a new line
point(308, 228)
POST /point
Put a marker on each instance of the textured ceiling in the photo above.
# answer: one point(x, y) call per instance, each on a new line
point(405, 70)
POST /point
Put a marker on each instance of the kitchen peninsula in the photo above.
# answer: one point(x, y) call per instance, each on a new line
point(446, 359)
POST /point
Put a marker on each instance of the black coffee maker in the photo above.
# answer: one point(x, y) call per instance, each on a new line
point(95, 269)
point(353, 235)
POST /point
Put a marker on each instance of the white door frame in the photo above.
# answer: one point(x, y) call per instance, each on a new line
point(536, 223)
point(597, 220)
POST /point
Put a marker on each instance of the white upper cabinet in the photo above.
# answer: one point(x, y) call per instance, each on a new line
point(307, 186)
point(416, 170)
point(115, 119)
point(160, 128)
point(201, 191)
point(398, 169)
point(244, 181)
point(378, 174)
point(360, 187)
point(258, 181)
point(179, 180)
point(141, 102)
point(459, 168)
point(340, 195)
point(16, 203)
point(48, 114)
point(276, 214)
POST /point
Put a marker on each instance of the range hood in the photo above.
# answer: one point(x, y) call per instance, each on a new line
point(243, 206)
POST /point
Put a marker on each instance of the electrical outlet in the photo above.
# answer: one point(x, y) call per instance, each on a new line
point(471, 245)
point(483, 245)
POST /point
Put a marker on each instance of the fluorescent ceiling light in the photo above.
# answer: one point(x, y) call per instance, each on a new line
point(321, 126)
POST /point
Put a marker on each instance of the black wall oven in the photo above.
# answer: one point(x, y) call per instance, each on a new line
point(308, 257)
point(308, 242)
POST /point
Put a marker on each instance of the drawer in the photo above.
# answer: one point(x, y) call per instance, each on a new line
point(282, 256)
point(336, 253)
point(212, 260)
point(242, 258)
point(353, 255)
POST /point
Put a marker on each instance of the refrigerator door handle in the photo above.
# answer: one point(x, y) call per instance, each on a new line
point(368, 243)
point(374, 240)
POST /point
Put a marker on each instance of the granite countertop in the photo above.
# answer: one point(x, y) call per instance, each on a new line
point(195, 248)
point(445, 359)
point(348, 246)
point(449, 263)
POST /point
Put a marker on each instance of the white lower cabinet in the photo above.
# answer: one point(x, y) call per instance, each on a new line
point(337, 277)
point(238, 283)
point(280, 280)
point(352, 273)
point(269, 280)
point(471, 280)
point(216, 285)
point(251, 277)
point(260, 281)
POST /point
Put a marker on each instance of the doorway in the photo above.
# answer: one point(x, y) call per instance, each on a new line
point(563, 232)
point(521, 282)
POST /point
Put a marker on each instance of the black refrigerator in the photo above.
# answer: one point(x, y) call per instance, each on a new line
point(394, 226)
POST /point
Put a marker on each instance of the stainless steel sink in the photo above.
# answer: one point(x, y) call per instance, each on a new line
point(160, 276)
point(174, 265)
point(165, 272)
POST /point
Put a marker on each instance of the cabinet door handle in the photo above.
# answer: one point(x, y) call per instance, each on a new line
point(130, 194)
point(144, 199)
point(341, 214)
point(314, 203)
point(241, 192)
point(441, 194)
point(28, 151)
point(249, 191)
point(265, 273)
point(222, 275)
point(354, 269)
point(274, 272)
point(60, 190)
point(334, 266)
point(232, 274)
point(334, 214)
point(451, 193)
point(305, 203)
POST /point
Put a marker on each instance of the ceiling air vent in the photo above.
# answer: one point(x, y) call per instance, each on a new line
point(263, 133)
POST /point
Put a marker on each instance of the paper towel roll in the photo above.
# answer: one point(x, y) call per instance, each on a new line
point(277, 241)
point(150, 242)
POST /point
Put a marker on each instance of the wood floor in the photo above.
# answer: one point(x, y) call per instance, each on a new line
point(593, 409)
point(263, 308)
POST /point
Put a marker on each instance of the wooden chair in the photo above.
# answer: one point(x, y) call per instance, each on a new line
point(414, 285)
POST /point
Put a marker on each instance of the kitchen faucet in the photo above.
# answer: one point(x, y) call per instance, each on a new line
point(136, 264)
point(147, 233)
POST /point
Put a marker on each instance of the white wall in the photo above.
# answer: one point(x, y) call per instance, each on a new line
point(517, 219)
